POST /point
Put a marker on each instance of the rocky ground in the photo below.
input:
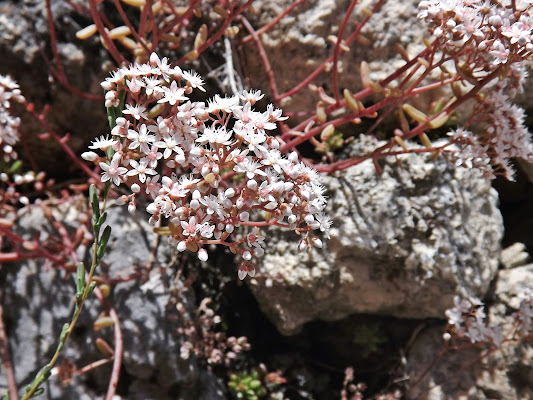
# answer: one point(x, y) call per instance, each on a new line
point(403, 244)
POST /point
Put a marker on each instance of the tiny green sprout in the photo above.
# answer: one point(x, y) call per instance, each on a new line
point(370, 337)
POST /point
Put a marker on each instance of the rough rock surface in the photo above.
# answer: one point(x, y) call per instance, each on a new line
point(402, 244)
point(506, 373)
point(151, 365)
point(300, 39)
point(24, 40)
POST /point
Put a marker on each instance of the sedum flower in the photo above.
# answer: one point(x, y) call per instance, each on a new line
point(113, 171)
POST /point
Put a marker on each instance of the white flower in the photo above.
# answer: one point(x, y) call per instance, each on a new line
point(140, 139)
point(103, 143)
point(226, 104)
point(251, 96)
point(138, 111)
point(218, 135)
point(170, 144)
point(173, 95)
point(190, 228)
point(212, 205)
point(193, 79)
point(161, 67)
point(249, 167)
point(112, 171)
point(141, 169)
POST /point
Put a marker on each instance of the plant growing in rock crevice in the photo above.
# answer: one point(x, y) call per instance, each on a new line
point(220, 174)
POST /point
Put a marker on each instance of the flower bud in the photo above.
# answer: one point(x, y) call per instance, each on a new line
point(247, 255)
point(317, 242)
point(244, 216)
point(197, 152)
point(89, 156)
point(182, 246)
point(251, 184)
point(242, 272)
point(132, 207)
point(195, 204)
point(202, 255)
point(251, 271)
point(135, 188)
point(229, 193)
point(123, 200)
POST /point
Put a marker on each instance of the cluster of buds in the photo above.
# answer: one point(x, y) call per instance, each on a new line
point(467, 320)
point(9, 124)
point(495, 32)
point(485, 42)
point(211, 169)
point(504, 136)
point(205, 341)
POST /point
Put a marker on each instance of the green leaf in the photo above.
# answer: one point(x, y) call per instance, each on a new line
point(80, 282)
point(102, 218)
point(95, 204)
point(15, 166)
point(107, 186)
point(41, 376)
point(64, 332)
point(91, 287)
point(103, 243)
point(38, 392)
point(255, 384)
point(99, 223)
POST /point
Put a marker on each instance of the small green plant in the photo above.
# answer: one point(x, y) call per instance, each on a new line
point(246, 385)
point(370, 337)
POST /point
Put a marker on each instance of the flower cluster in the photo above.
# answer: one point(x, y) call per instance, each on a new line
point(499, 31)
point(486, 42)
point(205, 342)
point(467, 320)
point(9, 124)
point(504, 136)
point(210, 169)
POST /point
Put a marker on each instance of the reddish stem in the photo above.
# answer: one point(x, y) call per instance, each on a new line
point(272, 23)
point(130, 26)
point(264, 58)
point(220, 31)
point(337, 51)
point(41, 119)
point(6, 359)
point(102, 31)
point(93, 365)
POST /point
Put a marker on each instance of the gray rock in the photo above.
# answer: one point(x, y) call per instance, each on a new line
point(402, 244)
point(24, 39)
point(37, 302)
point(504, 373)
point(514, 255)
point(300, 39)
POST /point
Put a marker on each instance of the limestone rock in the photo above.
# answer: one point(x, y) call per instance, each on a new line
point(402, 244)
point(506, 373)
point(37, 302)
